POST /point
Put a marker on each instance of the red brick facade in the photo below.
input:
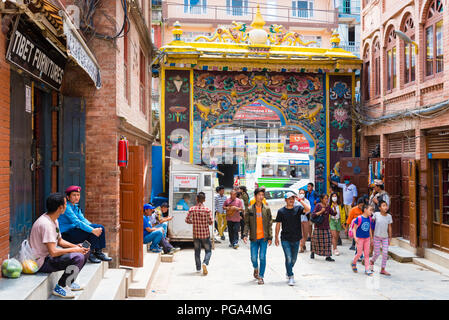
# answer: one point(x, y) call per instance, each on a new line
point(4, 150)
point(378, 18)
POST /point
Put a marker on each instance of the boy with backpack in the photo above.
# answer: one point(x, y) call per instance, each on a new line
point(361, 230)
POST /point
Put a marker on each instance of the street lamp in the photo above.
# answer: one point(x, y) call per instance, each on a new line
point(406, 39)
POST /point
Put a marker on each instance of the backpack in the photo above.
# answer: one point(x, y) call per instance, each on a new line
point(351, 226)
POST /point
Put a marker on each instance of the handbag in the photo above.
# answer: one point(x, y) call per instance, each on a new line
point(317, 219)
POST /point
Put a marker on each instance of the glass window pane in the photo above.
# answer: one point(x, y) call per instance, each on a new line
point(389, 70)
point(413, 67)
point(439, 46)
point(445, 177)
point(407, 63)
point(429, 51)
point(394, 67)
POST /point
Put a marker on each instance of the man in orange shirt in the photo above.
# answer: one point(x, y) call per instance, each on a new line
point(258, 222)
point(354, 213)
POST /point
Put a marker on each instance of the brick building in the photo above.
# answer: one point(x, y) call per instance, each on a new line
point(53, 135)
point(405, 108)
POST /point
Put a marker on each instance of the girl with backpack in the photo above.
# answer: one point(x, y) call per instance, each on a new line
point(361, 230)
point(382, 235)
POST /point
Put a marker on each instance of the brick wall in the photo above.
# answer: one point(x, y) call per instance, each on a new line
point(4, 150)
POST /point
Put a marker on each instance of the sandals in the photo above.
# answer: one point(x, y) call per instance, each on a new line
point(354, 267)
point(371, 265)
point(368, 272)
point(260, 281)
point(385, 273)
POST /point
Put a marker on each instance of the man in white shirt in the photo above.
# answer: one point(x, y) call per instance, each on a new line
point(349, 192)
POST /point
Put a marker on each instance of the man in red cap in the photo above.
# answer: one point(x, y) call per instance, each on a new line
point(75, 228)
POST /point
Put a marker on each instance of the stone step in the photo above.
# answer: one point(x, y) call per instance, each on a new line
point(112, 286)
point(400, 254)
point(143, 277)
point(431, 266)
point(438, 257)
point(89, 278)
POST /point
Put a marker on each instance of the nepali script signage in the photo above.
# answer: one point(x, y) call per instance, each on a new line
point(30, 51)
point(77, 49)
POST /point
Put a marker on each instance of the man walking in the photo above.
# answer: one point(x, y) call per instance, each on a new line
point(379, 194)
point(220, 198)
point(233, 207)
point(290, 219)
point(349, 193)
point(201, 218)
point(258, 221)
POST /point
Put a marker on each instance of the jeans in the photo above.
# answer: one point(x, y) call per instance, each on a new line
point(291, 253)
point(74, 260)
point(154, 237)
point(259, 248)
point(207, 248)
point(77, 235)
point(233, 230)
point(163, 226)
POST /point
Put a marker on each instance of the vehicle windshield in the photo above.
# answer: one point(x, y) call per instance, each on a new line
point(293, 169)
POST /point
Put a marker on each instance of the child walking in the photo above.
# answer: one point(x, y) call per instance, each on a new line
point(382, 236)
point(362, 235)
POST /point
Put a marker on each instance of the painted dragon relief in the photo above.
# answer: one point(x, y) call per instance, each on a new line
point(237, 33)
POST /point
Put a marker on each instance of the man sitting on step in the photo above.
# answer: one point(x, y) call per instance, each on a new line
point(52, 252)
point(154, 232)
point(76, 228)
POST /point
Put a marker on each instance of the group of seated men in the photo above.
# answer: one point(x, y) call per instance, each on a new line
point(63, 239)
point(155, 221)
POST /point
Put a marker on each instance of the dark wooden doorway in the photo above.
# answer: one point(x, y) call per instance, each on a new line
point(131, 209)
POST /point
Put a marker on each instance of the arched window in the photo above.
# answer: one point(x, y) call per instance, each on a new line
point(376, 65)
point(409, 51)
point(433, 31)
point(366, 74)
point(391, 60)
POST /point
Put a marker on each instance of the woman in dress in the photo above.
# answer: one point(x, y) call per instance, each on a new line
point(321, 235)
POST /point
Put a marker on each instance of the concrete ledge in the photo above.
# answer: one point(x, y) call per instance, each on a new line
point(400, 254)
point(431, 266)
point(167, 258)
point(403, 243)
point(436, 256)
point(112, 286)
point(144, 276)
point(89, 278)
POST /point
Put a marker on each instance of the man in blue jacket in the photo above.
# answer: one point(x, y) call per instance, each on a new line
point(75, 228)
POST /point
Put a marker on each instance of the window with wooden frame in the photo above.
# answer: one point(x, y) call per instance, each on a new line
point(433, 33)
point(126, 62)
point(142, 78)
point(376, 62)
point(366, 74)
point(440, 191)
point(409, 51)
point(391, 60)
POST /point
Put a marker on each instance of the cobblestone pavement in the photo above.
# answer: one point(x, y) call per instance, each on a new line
point(230, 277)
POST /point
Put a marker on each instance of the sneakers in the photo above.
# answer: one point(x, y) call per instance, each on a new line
point(329, 259)
point(156, 250)
point(100, 255)
point(76, 287)
point(222, 238)
point(291, 281)
point(352, 248)
point(337, 253)
point(65, 293)
point(236, 246)
point(312, 255)
point(204, 269)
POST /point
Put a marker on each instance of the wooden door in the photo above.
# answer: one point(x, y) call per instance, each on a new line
point(22, 163)
point(131, 209)
point(440, 207)
point(405, 198)
point(413, 203)
point(73, 146)
point(357, 170)
point(392, 182)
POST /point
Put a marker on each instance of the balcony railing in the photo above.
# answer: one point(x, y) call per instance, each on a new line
point(349, 10)
point(351, 46)
point(219, 15)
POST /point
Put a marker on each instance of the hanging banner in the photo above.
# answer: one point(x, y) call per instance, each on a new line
point(30, 51)
point(256, 111)
point(299, 143)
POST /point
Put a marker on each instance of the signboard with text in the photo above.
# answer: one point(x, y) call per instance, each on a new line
point(30, 51)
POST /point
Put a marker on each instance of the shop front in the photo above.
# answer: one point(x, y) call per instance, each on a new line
point(266, 114)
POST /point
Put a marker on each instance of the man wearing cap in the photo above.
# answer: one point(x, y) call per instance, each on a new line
point(378, 195)
point(290, 218)
point(75, 228)
point(154, 232)
point(349, 193)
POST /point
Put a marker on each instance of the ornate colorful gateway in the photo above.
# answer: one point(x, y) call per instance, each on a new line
point(246, 91)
